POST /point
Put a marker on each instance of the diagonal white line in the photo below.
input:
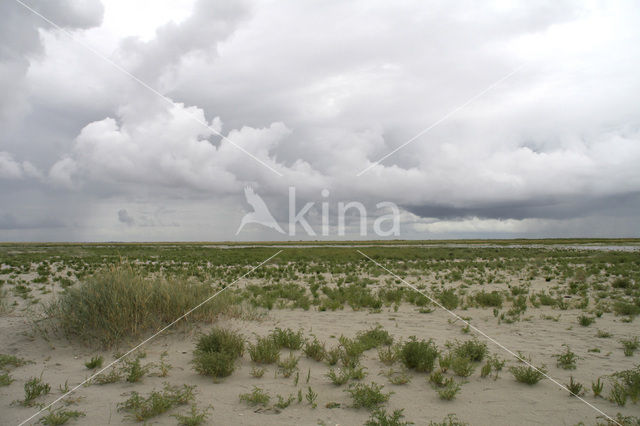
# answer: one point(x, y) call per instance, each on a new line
point(492, 340)
point(145, 341)
point(145, 85)
point(446, 116)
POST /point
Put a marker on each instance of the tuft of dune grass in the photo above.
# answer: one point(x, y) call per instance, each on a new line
point(120, 303)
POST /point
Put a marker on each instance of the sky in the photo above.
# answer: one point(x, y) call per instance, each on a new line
point(145, 121)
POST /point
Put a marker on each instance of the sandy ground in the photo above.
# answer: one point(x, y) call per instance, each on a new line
point(481, 401)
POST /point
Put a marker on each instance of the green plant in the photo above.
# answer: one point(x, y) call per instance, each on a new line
point(284, 403)
point(493, 364)
point(288, 366)
point(95, 362)
point(374, 337)
point(567, 359)
point(133, 370)
point(350, 351)
point(462, 366)
point(195, 417)
point(603, 334)
point(380, 418)
point(122, 302)
point(265, 351)
point(574, 387)
point(34, 388)
point(60, 416)
point(345, 374)
point(628, 381)
point(141, 408)
point(437, 379)
point(618, 394)
point(419, 355)
point(388, 355)
point(493, 299)
point(257, 372)
point(105, 378)
point(444, 361)
point(287, 338)
point(333, 356)
point(164, 366)
point(528, 374)
point(222, 341)
point(474, 350)
point(449, 390)
point(450, 420)
point(585, 320)
point(216, 353)
point(6, 379)
point(11, 361)
point(256, 397)
point(311, 398)
point(597, 387)
point(397, 377)
point(315, 350)
point(630, 345)
point(369, 396)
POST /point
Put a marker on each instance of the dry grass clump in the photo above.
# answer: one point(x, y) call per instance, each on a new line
point(120, 303)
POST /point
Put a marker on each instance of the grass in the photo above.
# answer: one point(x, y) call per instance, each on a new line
point(419, 355)
point(141, 408)
point(381, 418)
point(133, 370)
point(369, 396)
point(34, 388)
point(60, 416)
point(492, 365)
point(527, 374)
point(7, 361)
point(6, 379)
point(627, 384)
point(567, 359)
point(120, 303)
point(94, 362)
point(216, 353)
point(264, 351)
point(311, 397)
point(256, 397)
point(388, 355)
point(345, 374)
point(284, 403)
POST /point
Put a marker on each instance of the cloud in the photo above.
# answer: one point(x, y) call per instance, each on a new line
point(319, 92)
point(123, 216)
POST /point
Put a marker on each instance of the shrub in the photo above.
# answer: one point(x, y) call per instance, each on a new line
point(437, 379)
point(33, 389)
point(574, 387)
point(265, 351)
point(388, 355)
point(567, 359)
point(630, 345)
point(449, 390)
point(462, 366)
point(585, 320)
point(527, 374)
point(629, 382)
point(472, 349)
point(350, 351)
point(288, 366)
point(597, 387)
point(287, 338)
point(493, 299)
point(119, 303)
point(315, 350)
point(450, 420)
point(621, 307)
point(380, 418)
point(333, 356)
point(221, 340)
point(60, 416)
point(419, 355)
point(449, 299)
point(141, 408)
point(194, 418)
point(374, 337)
point(493, 364)
point(133, 370)
point(256, 397)
point(95, 362)
point(214, 364)
point(369, 396)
